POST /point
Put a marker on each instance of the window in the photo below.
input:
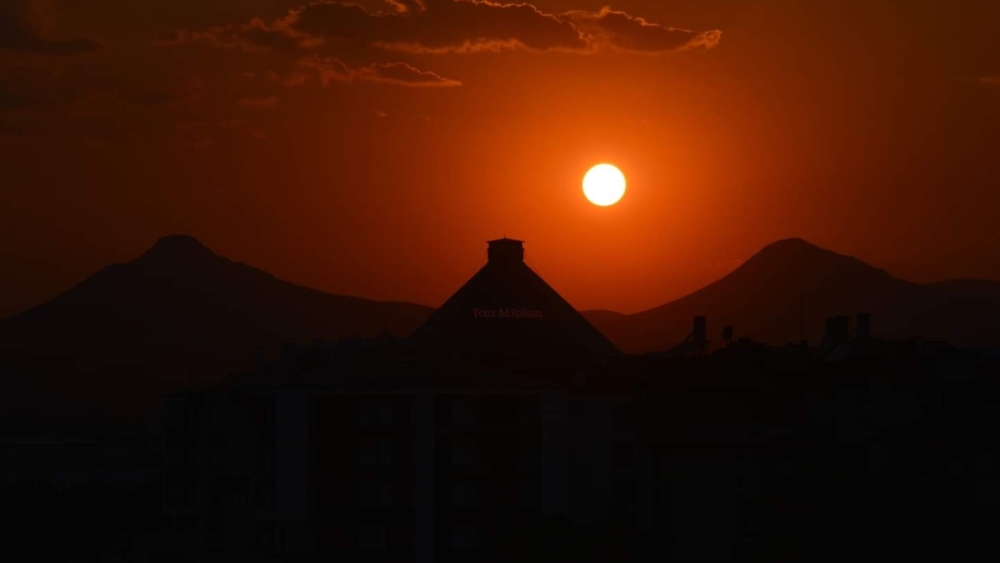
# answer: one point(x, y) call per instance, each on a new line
point(465, 537)
point(175, 497)
point(529, 495)
point(190, 417)
point(375, 412)
point(464, 495)
point(265, 535)
point(529, 451)
point(464, 452)
point(176, 456)
point(375, 452)
point(377, 494)
point(243, 495)
point(984, 463)
point(623, 417)
point(500, 411)
point(529, 410)
point(625, 495)
point(663, 466)
point(465, 411)
point(624, 454)
point(185, 524)
point(373, 538)
point(263, 495)
point(268, 418)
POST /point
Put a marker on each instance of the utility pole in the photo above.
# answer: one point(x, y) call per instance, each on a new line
point(802, 323)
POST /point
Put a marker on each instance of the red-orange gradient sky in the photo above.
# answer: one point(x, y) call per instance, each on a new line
point(373, 149)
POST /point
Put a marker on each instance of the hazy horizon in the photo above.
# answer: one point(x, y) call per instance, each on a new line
point(347, 160)
point(734, 265)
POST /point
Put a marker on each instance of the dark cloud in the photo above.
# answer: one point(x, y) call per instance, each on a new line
point(434, 26)
point(991, 80)
point(443, 26)
point(453, 26)
point(402, 74)
point(407, 6)
point(20, 31)
point(255, 35)
point(328, 70)
point(619, 31)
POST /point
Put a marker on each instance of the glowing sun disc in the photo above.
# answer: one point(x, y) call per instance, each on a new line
point(604, 185)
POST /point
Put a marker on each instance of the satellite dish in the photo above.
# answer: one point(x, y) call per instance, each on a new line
point(727, 333)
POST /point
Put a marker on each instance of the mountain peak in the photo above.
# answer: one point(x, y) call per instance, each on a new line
point(800, 259)
point(794, 243)
point(177, 248)
point(797, 249)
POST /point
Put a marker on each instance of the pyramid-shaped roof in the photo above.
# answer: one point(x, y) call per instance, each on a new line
point(507, 310)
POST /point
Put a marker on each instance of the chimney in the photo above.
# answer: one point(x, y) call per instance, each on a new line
point(864, 326)
point(843, 328)
point(837, 329)
point(699, 328)
point(505, 250)
point(260, 357)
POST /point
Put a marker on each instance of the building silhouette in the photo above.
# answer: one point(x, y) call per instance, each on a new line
point(507, 427)
point(506, 311)
point(425, 450)
point(410, 460)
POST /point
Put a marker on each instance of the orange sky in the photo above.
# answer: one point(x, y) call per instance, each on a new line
point(871, 128)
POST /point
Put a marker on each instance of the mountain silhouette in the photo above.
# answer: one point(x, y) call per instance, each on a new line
point(178, 313)
point(763, 299)
point(985, 290)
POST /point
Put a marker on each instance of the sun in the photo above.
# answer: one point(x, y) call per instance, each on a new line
point(604, 185)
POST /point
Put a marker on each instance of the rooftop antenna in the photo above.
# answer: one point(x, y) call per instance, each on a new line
point(802, 324)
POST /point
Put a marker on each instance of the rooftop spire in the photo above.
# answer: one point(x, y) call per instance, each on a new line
point(505, 250)
point(506, 311)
